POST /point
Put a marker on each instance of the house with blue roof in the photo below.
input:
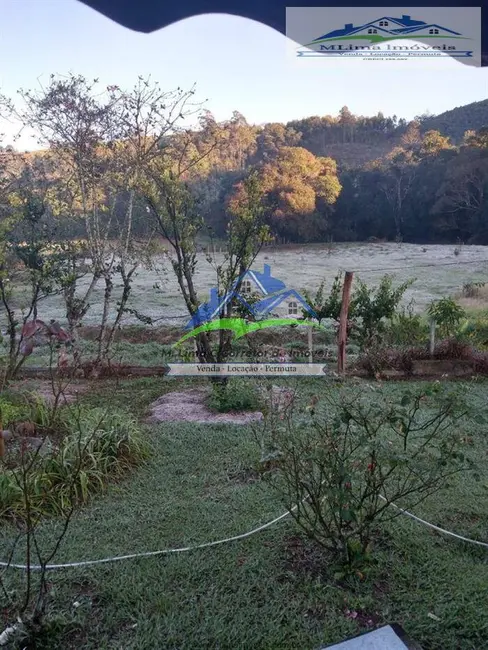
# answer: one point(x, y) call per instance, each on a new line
point(277, 301)
point(388, 26)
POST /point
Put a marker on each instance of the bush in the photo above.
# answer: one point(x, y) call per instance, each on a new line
point(16, 408)
point(235, 395)
point(371, 307)
point(383, 358)
point(377, 359)
point(407, 328)
point(475, 332)
point(447, 315)
point(358, 451)
point(480, 364)
point(99, 446)
point(453, 348)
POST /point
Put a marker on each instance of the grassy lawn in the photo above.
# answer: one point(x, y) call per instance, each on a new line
point(272, 591)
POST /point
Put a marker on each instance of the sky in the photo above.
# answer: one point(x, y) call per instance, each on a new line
point(236, 64)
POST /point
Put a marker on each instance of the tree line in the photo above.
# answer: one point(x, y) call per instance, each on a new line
point(422, 187)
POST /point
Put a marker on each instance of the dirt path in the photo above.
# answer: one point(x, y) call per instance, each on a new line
point(189, 406)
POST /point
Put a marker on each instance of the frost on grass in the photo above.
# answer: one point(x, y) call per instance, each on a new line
point(437, 270)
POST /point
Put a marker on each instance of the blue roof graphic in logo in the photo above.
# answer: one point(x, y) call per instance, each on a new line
point(388, 28)
point(273, 290)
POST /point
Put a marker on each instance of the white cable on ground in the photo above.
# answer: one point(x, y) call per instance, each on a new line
point(37, 567)
point(441, 530)
point(50, 567)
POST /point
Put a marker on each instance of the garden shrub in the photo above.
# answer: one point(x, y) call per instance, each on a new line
point(356, 446)
point(447, 315)
point(16, 408)
point(98, 446)
point(480, 363)
point(475, 332)
point(234, 395)
point(371, 307)
point(407, 328)
point(375, 360)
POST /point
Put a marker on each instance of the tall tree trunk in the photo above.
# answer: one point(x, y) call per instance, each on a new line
point(126, 291)
point(107, 294)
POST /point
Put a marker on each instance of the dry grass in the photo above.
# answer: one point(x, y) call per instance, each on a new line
point(473, 298)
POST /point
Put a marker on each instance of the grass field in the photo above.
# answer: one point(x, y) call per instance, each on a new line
point(272, 591)
point(438, 272)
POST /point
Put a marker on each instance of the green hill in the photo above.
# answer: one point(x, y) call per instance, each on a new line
point(458, 120)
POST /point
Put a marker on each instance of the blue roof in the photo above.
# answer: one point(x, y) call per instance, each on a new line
point(405, 24)
point(207, 310)
point(269, 303)
point(264, 280)
point(274, 289)
point(413, 30)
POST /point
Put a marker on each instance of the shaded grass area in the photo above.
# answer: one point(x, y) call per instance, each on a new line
point(272, 591)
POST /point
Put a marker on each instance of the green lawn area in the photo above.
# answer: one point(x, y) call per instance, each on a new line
point(272, 591)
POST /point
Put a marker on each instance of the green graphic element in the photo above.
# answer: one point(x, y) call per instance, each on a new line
point(241, 327)
point(377, 38)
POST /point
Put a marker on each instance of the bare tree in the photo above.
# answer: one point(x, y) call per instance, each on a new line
point(74, 123)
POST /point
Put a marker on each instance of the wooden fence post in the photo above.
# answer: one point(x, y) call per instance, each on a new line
point(342, 334)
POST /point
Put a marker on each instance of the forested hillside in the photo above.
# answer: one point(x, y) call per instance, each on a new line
point(454, 123)
point(345, 177)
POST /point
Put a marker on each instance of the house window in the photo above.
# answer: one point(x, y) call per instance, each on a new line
point(383, 23)
point(433, 31)
point(372, 31)
point(293, 309)
point(246, 286)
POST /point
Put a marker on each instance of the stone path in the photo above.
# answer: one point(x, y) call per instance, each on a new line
point(189, 406)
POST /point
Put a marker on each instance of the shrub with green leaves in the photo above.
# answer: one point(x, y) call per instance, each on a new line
point(325, 307)
point(100, 445)
point(407, 328)
point(475, 332)
point(447, 315)
point(371, 307)
point(345, 459)
point(235, 395)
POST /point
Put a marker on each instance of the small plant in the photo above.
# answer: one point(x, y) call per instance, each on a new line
point(358, 451)
point(325, 307)
point(234, 396)
point(97, 444)
point(243, 311)
point(407, 328)
point(474, 332)
point(447, 315)
point(371, 307)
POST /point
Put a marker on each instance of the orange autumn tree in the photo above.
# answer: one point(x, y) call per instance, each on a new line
point(299, 190)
